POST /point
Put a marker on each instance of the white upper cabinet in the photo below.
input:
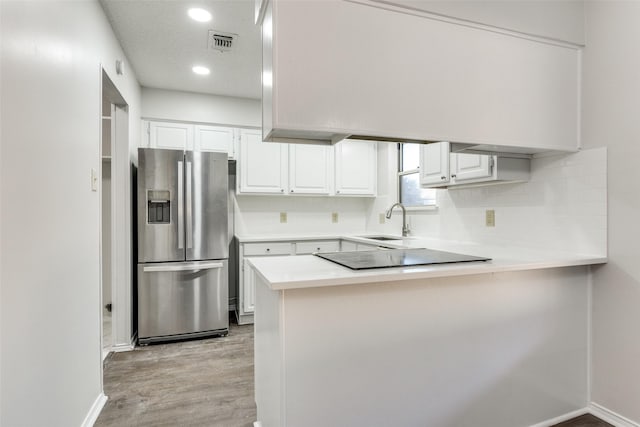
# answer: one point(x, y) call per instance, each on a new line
point(434, 164)
point(349, 169)
point(310, 168)
point(187, 136)
point(355, 168)
point(439, 168)
point(263, 166)
point(471, 167)
point(413, 76)
point(215, 138)
point(170, 135)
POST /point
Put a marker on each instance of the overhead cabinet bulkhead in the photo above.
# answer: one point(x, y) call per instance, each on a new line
point(410, 75)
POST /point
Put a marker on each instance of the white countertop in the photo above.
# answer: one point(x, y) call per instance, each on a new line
point(400, 242)
point(308, 271)
point(291, 237)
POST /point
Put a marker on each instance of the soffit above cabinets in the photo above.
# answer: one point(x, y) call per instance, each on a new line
point(162, 43)
point(561, 20)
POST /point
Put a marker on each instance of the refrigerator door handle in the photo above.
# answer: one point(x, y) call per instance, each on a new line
point(183, 267)
point(180, 207)
point(189, 213)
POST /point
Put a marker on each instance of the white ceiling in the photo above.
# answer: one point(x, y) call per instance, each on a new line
point(163, 43)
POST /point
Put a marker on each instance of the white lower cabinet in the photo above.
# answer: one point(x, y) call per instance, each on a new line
point(248, 294)
point(305, 248)
point(246, 280)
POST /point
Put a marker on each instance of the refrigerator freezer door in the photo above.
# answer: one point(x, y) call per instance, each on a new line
point(181, 300)
point(160, 205)
point(206, 206)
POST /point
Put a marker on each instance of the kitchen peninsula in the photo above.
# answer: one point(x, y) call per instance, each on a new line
point(501, 343)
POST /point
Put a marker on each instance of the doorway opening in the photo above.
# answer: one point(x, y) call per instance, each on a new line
point(114, 151)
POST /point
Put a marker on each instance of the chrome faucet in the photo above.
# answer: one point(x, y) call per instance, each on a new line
point(405, 228)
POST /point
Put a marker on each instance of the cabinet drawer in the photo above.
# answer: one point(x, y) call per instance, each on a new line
point(281, 248)
point(365, 247)
point(322, 246)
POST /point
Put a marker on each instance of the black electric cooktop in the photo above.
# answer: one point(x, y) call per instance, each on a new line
point(395, 258)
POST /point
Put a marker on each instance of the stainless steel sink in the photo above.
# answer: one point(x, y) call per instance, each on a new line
point(382, 238)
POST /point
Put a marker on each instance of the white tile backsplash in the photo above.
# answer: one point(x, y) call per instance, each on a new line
point(260, 215)
point(563, 206)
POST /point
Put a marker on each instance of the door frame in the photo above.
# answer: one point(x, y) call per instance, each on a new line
point(121, 237)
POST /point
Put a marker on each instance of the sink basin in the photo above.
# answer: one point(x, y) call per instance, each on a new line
point(382, 238)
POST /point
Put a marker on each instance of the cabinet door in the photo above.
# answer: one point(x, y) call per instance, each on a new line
point(249, 289)
point(263, 165)
point(355, 168)
point(434, 164)
point(309, 169)
point(465, 167)
point(214, 138)
point(171, 135)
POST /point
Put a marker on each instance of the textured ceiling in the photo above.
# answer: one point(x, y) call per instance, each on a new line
point(163, 43)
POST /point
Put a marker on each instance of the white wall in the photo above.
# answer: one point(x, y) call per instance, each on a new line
point(50, 264)
point(611, 90)
point(194, 107)
point(260, 215)
point(562, 206)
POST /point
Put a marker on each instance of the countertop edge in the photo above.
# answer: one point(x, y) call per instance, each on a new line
point(403, 275)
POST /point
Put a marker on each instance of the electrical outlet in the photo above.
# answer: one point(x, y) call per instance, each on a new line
point(490, 218)
point(334, 217)
point(283, 217)
point(381, 218)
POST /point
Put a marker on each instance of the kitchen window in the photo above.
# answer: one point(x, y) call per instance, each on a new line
point(410, 194)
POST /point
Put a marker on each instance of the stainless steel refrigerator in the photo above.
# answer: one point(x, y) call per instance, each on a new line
point(183, 244)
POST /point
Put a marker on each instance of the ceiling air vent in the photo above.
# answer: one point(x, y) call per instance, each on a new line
point(224, 42)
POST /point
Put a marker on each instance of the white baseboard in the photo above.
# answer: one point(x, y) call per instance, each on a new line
point(125, 347)
point(95, 410)
point(611, 417)
point(594, 409)
point(561, 418)
point(257, 424)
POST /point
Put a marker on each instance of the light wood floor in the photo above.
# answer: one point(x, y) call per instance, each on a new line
point(192, 383)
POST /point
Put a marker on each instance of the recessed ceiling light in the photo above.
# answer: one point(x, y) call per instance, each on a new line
point(198, 69)
point(199, 15)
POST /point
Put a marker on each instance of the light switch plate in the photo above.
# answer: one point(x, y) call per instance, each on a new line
point(334, 217)
point(283, 217)
point(490, 218)
point(94, 180)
